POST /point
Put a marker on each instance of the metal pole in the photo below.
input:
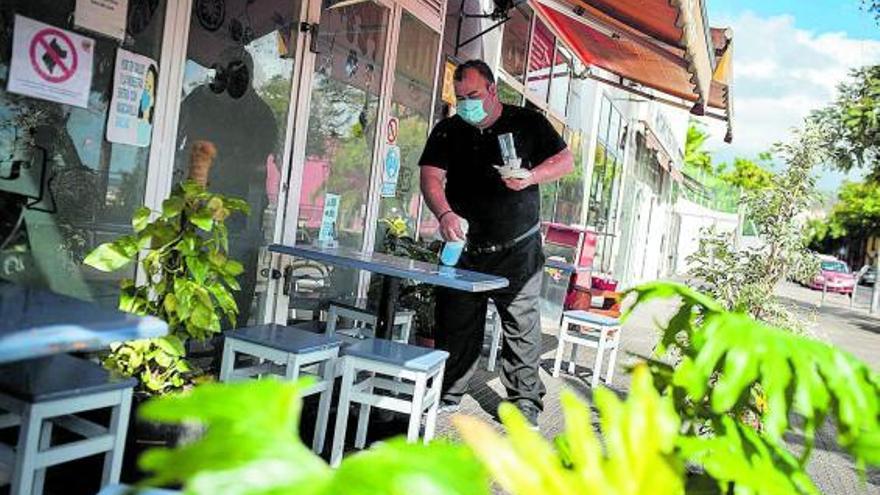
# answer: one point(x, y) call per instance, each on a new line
point(824, 292)
point(875, 296)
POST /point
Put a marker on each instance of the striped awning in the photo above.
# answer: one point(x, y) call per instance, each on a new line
point(665, 45)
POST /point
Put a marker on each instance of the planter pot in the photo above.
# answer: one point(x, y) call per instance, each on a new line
point(144, 435)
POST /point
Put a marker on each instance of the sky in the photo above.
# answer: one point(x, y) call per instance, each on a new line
point(789, 56)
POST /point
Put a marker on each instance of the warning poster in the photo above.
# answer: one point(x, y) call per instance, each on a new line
point(50, 63)
point(130, 120)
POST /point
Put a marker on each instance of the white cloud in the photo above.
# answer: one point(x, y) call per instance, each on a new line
point(780, 73)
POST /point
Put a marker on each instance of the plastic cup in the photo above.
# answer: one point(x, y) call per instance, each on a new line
point(451, 252)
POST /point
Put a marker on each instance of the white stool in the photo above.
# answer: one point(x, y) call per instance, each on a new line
point(365, 322)
point(39, 394)
point(380, 362)
point(285, 351)
point(603, 335)
point(494, 321)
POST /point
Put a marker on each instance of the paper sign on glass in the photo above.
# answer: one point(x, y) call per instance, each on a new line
point(107, 17)
point(130, 119)
point(50, 63)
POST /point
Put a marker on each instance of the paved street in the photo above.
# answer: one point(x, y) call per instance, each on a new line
point(851, 329)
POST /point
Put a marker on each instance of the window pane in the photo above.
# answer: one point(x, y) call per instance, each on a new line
point(342, 129)
point(508, 95)
point(571, 187)
point(237, 98)
point(411, 105)
point(538, 81)
point(561, 81)
point(342, 122)
point(604, 119)
point(516, 41)
point(92, 186)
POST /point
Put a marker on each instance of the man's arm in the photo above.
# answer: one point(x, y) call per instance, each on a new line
point(549, 170)
point(432, 181)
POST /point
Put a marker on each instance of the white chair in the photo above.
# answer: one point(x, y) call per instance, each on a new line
point(493, 321)
point(365, 322)
point(286, 351)
point(390, 376)
point(48, 392)
point(601, 333)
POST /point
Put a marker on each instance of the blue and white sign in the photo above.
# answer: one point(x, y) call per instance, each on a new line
point(327, 234)
point(391, 171)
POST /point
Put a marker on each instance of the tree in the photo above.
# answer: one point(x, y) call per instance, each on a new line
point(695, 157)
point(872, 7)
point(852, 123)
point(745, 280)
point(748, 174)
point(853, 219)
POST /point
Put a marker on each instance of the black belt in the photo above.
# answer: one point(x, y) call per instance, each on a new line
point(494, 248)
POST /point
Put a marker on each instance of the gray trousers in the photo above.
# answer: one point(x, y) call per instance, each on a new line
point(461, 320)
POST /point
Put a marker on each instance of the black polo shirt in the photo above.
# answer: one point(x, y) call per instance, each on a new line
point(474, 188)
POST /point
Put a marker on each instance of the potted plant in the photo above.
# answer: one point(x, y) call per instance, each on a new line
point(413, 295)
point(187, 281)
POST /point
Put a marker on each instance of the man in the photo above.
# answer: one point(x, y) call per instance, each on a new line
point(459, 180)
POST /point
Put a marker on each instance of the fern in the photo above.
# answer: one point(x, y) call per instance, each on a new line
point(724, 355)
point(637, 455)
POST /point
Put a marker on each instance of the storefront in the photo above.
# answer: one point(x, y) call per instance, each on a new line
point(305, 101)
point(318, 111)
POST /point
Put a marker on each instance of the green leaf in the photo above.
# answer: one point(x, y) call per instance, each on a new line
point(172, 207)
point(233, 268)
point(171, 344)
point(640, 437)
point(140, 218)
point(109, 257)
point(198, 268)
point(203, 219)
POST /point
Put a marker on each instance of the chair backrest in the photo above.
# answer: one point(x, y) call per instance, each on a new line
point(363, 319)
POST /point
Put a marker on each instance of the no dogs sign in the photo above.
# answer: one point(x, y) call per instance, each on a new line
point(50, 63)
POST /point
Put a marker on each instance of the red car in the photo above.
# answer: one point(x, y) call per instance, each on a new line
point(835, 275)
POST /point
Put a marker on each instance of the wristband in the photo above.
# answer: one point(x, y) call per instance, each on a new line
point(440, 218)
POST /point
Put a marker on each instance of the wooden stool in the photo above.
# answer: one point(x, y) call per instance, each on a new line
point(380, 362)
point(603, 334)
point(39, 394)
point(285, 351)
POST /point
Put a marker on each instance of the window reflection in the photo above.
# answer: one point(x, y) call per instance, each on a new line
point(559, 85)
point(411, 105)
point(236, 94)
point(342, 120)
point(92, 186)
point(515, 42)
point(507, 94)
point(540, 62)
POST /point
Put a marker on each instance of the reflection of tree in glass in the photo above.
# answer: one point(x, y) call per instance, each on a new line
point(337, 135)
point(276, 93)
point(412, 134)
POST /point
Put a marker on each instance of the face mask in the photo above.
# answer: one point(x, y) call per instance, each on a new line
point(471, 111)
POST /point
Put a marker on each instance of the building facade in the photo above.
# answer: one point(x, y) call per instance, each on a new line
point(309, 104)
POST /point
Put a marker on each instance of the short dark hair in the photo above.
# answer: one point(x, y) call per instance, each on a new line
point(477, 65)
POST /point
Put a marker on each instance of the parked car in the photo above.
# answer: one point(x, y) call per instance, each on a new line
point(869, 277)
point(833, 274)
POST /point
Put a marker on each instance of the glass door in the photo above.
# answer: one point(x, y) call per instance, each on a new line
point(341, 138)
point(238, 85)
point(409, 122)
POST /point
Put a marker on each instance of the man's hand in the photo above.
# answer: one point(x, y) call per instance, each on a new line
point(519, 184)
point(450, 227)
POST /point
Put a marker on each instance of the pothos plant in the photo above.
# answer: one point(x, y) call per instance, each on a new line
point(413, 295)
point(188, 281)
